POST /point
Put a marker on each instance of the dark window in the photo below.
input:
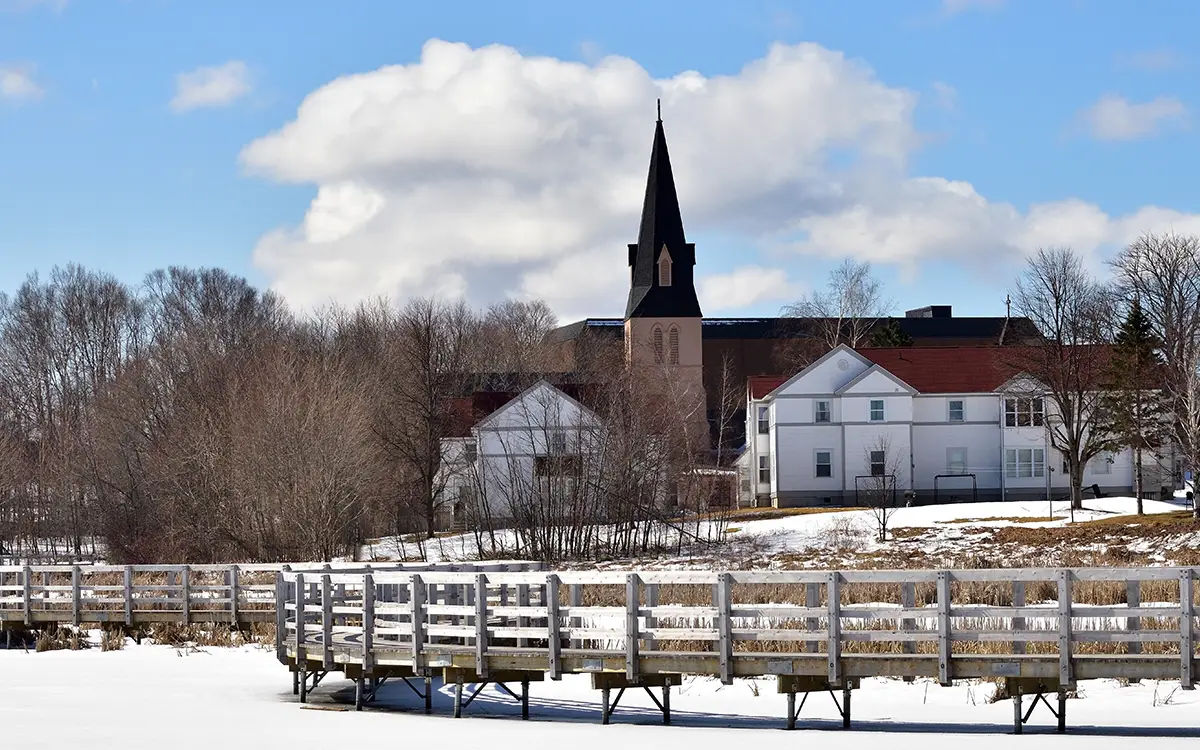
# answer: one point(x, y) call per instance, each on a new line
point(878, 463)
point(764, 420)
point(824, 464)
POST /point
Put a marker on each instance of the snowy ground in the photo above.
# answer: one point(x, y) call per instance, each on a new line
point(951, 528)
point(154, 697)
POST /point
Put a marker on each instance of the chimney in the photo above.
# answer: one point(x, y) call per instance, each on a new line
point(930, 311)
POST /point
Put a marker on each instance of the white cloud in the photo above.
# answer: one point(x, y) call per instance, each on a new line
point(1115, 118)
point(744, 287)
point(17, 82)
point(951, 7)
point(487, 173)
point(213, 86)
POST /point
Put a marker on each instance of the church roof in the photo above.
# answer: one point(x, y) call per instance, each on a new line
point(662, 226)
point(944, 331)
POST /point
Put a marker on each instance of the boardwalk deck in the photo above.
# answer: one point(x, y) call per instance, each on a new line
point(811, 630)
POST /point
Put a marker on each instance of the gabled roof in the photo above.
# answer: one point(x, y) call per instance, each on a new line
point(540, 385)
point(871, 371)
point(839, 349)
point(948, 369)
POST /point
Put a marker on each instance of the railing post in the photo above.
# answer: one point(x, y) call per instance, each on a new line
point(552, 627)
point(301, 595)
point(1133, 598)
point(651, 620)
point(908, 600)
point(128, 595)
point(417, 610)
point(1018, 623)
point(1187, 642)
point(280, 616)
point(633, 595)
point(186, 594)
point(27, 596)
point(945, 655)
point(1064, 628)
point(233, 596)
point(575, 599)
point(725, 626)
point(481, 625)
point(368, 624)
point(522, 601)
point(833, 631)
point(326, 622)
point(76, 596)
point(812, 600)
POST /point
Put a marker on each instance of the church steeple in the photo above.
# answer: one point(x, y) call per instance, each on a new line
point(662, 287)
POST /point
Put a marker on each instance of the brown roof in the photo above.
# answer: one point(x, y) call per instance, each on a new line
point(949, 369)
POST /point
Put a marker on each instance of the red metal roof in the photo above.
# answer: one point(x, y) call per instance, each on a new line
point(759, 386)
point(949, 369)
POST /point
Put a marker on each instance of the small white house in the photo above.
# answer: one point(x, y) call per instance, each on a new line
point(529, 451)
point(941, 424)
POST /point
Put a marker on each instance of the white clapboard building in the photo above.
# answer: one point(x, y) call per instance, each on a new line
point(923, 424)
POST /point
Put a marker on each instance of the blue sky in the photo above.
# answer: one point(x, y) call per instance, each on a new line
point(1065, 120)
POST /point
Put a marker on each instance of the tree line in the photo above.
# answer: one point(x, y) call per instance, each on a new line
point(193, 418)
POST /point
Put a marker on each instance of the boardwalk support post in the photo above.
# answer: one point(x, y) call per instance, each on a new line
point(807, 684)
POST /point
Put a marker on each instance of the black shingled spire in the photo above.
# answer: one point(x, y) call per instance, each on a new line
point(662, 226)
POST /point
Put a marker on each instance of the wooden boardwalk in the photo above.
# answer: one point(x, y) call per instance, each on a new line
point(40, 596)
point(1037, 630)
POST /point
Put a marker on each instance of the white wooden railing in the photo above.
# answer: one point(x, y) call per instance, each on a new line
point(41, 595)
point(1090, 622)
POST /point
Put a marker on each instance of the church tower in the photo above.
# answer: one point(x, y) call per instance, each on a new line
point(663, 318)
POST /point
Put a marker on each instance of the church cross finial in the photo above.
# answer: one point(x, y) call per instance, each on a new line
point(660, 110)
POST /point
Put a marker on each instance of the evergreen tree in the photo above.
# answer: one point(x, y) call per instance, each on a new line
point(890, 334)
point(1136, 410)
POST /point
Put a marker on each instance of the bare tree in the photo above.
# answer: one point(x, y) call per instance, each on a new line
point(849, 308)
point(1162, 272)
point(885, 466)
point(1075, 316)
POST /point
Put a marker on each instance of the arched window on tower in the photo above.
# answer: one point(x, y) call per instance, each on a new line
point(673, 344)
point(658, 344)
point(664, 268)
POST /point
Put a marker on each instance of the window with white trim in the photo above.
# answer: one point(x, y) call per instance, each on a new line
point(1024, 463)
point(1102, 463)
point(764, 420)
point(471, 451)
point(764, 469)
point(558, 442)
point(956, 410)
point(1024, 412)
point(956, 460)
point(824, 464)
point(822, 411)
point(878, 463)
point(876, 410)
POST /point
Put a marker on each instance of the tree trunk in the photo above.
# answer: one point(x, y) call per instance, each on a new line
point(1137, 478)
point(1076, 489)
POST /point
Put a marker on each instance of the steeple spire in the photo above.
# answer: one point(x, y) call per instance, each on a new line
point(661, 229)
